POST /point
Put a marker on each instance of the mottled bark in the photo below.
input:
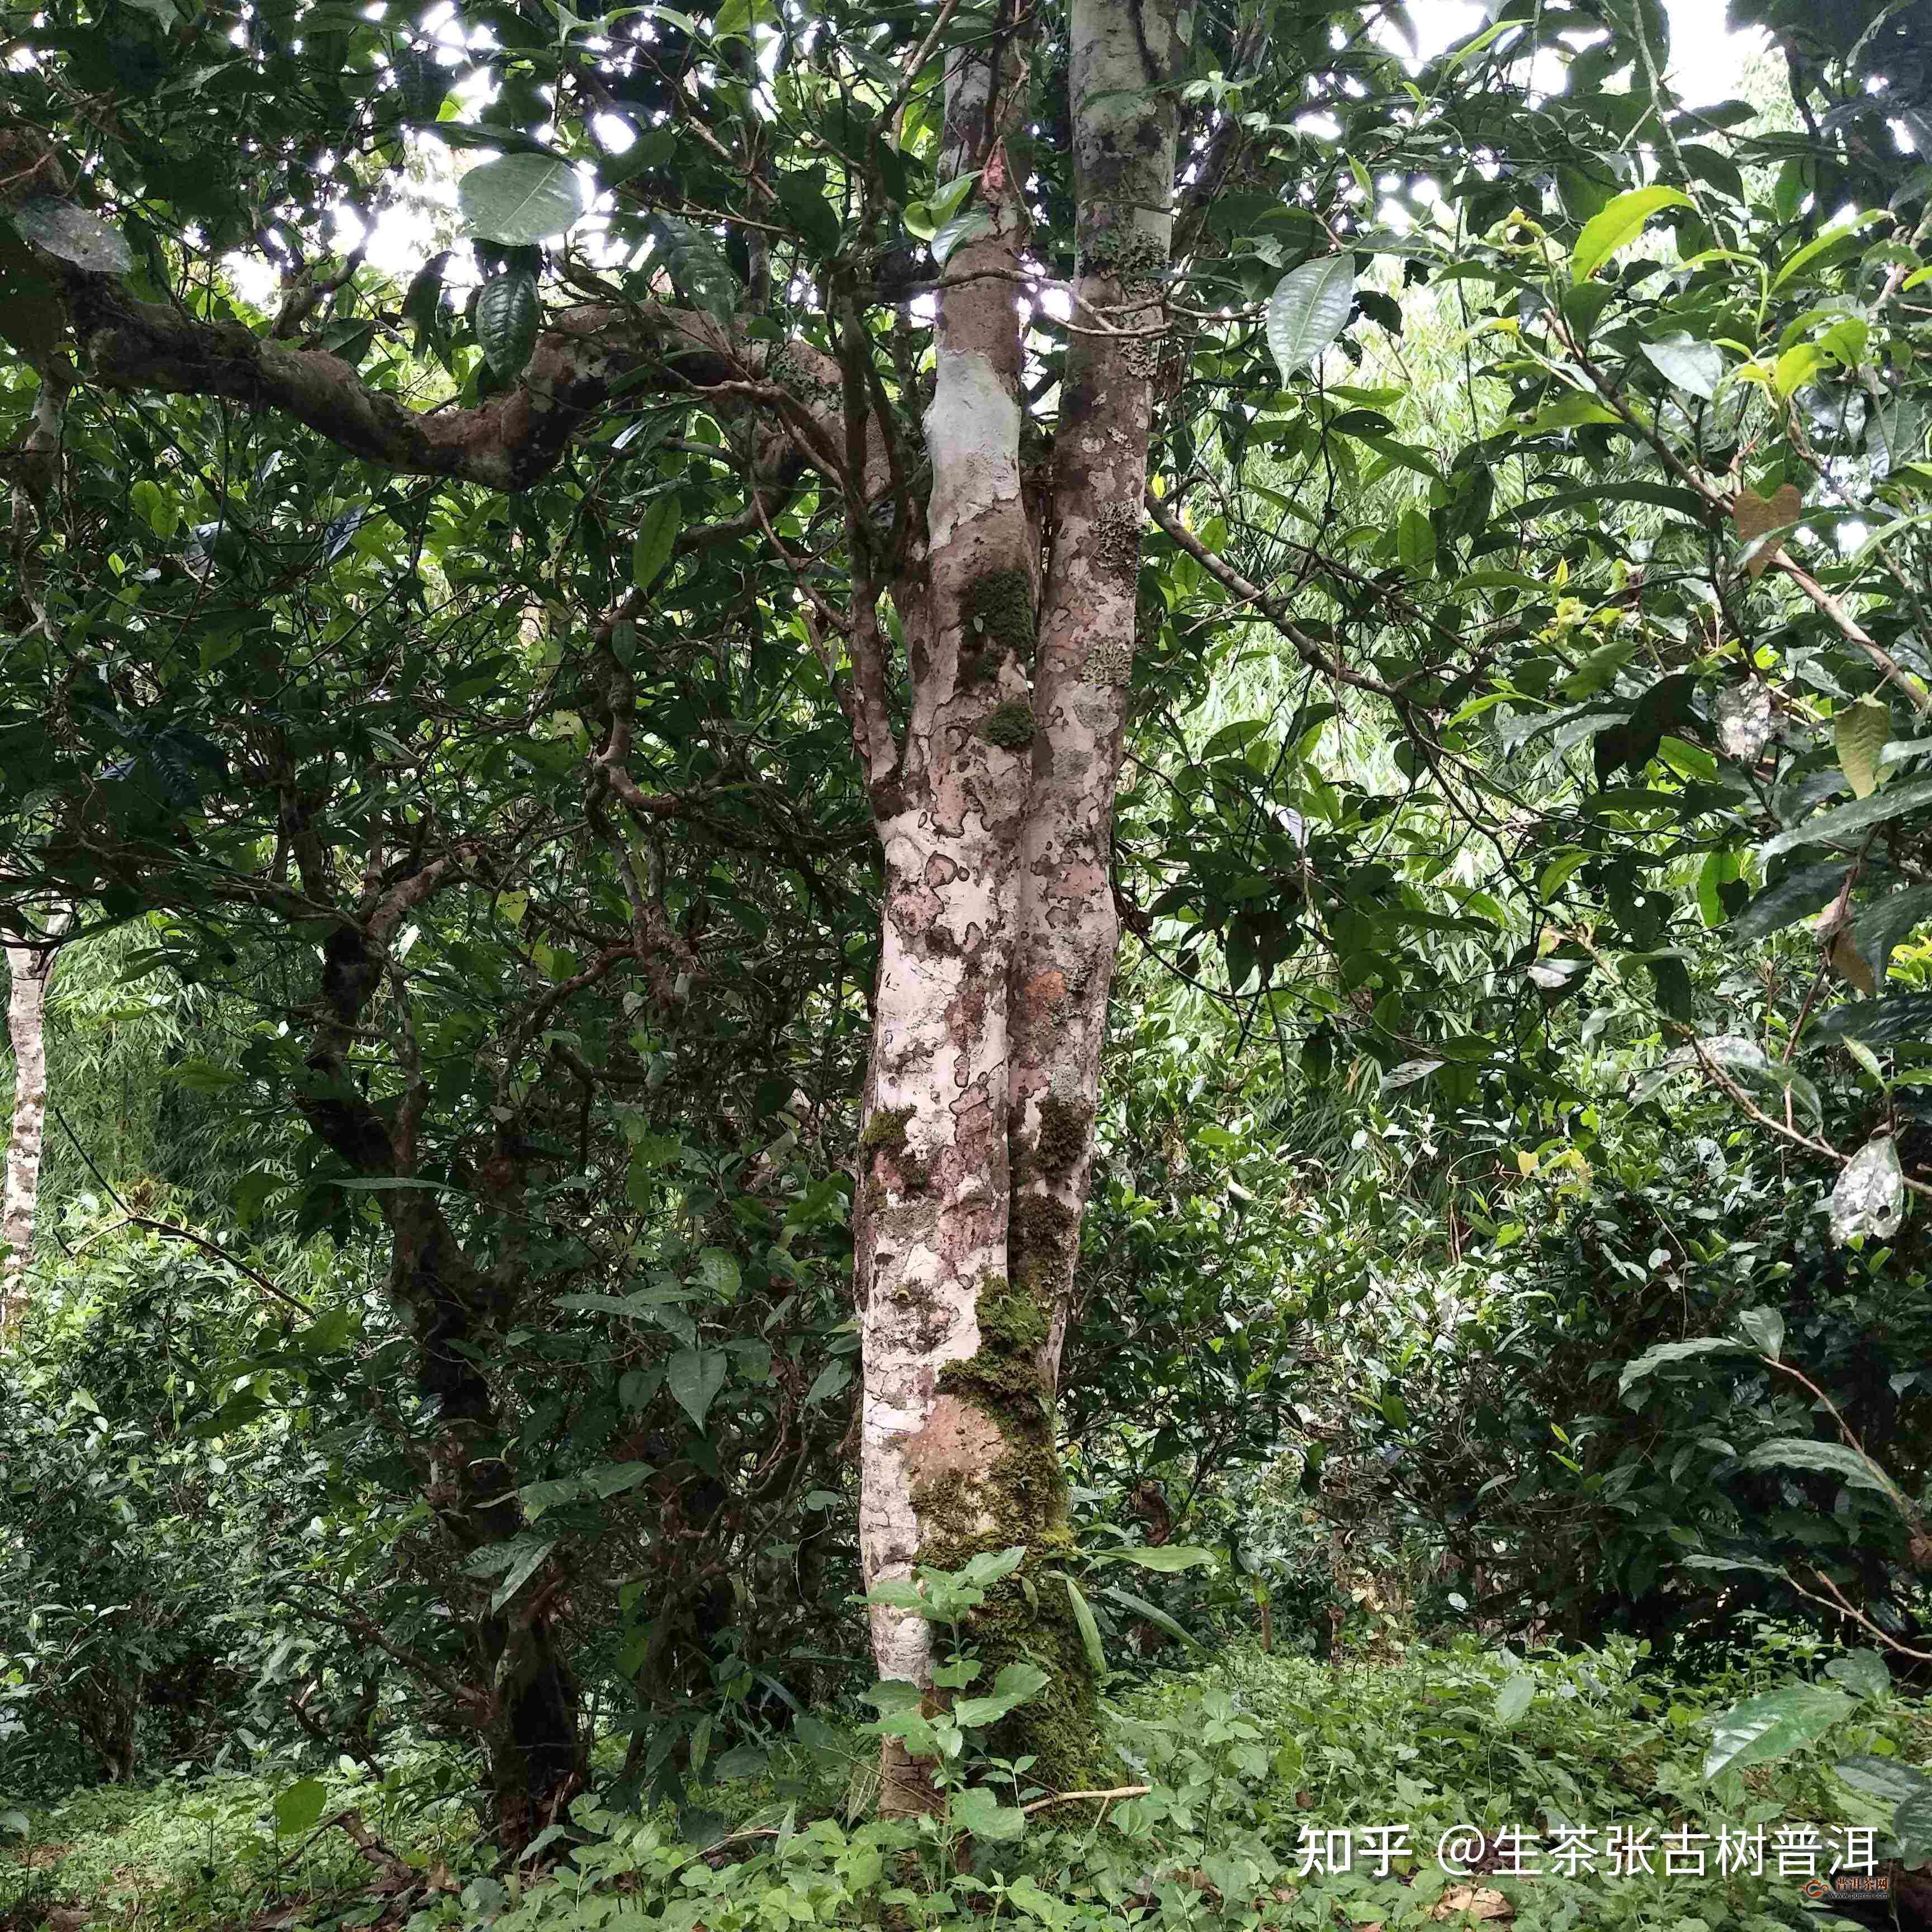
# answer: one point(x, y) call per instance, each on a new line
point(1000, 937)
point(932, 1215)
point(30, 968)
point(1122, 55)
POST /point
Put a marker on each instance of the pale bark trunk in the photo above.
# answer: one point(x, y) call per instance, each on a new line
point(1000, 931)
point(932, 1213)
point(1122, 54)
point(31, 968)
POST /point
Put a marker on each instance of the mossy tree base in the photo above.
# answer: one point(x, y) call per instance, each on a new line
point(1017, 1496)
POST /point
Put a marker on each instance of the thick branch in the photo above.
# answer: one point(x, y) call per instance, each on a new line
point(508, 443)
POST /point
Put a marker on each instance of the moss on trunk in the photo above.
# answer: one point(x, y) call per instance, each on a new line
point(1021, 1498)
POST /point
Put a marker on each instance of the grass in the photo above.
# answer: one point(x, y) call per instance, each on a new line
point(1246, 1755)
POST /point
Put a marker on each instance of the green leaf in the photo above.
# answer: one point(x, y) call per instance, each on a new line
point(1803, 890)
point(1309, 309)
point(1862, 1673)
point(1653, 1359)
point(967, 226)
point(1899, 1016)
point(1845, 822)
point(529, 1554)
point(694, 1376)
point(1765, 1328)
point(1617, 223)
point(829, 1380)
point(1687, 364)
point(14, 1824)
point(1514, 1698)
point(613, 1479)
point(1090, 1631)
point(1415, 541)
point(1861, 731)
point(1882, 924)
point(977, 1813)
point(299, 1808)
point(657, 538)
point(1830, 1458)
point(73, 235)
point(1153, 1614)
point(719, 1274)
point(1166, 1558)
point(698, 268)
point(1773, 1726)
point(1912, 1826)
point(508, 315)
point(1015, 1684)
point(1813, 249)
point(1883, 1777)
point(992, 1566)
point(521, 199)
point(1575, 411)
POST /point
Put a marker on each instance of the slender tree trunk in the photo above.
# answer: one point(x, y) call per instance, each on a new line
point(1124, 133)
point(525, 1698)
point(1000, 931)
point(31, 969)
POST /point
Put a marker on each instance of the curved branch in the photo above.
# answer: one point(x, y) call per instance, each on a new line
point(508, 443)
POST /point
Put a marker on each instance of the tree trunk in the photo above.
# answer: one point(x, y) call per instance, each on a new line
point(1000, 931)
point(1124, 136)
point(525, 1698)
point(31, 969)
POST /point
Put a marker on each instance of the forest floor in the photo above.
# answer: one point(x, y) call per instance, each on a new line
point(1266, 1774)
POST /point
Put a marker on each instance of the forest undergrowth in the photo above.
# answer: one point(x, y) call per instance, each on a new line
point(1253, 1768)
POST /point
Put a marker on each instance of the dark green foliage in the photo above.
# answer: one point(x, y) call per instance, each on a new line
point(1468, 1044)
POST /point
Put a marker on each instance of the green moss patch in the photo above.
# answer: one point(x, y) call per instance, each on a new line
point(1010, 726)
point(1062, 1139)
point(999, 606)
point(1020, 1498)
point(886, 1131)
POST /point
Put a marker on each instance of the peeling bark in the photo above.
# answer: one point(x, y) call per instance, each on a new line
point(30, 968)
point(1001, 932)
point(932, 1236)
point(1124, 137)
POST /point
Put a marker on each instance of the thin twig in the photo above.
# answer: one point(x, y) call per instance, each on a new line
point(1069, 1797)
